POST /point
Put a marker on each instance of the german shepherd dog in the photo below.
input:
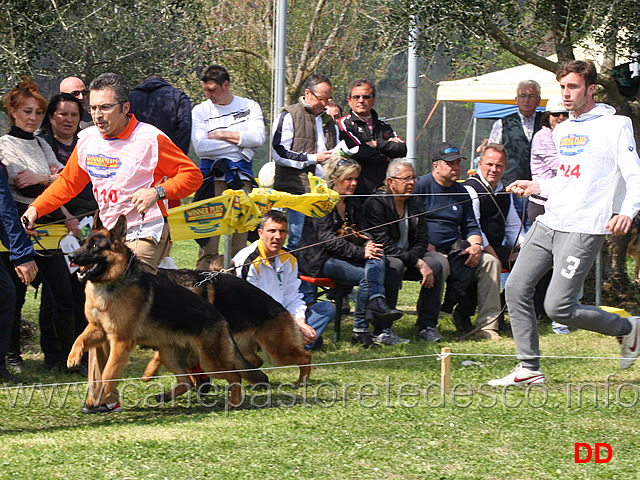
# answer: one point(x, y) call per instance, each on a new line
point(256, 320)
point(633, 249)
point(125, 306)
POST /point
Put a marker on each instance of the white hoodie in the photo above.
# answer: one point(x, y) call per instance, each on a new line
point(598, 174)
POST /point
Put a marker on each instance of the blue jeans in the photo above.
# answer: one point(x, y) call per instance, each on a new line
point(368, 276)
point(319, 315)
point(296, 224)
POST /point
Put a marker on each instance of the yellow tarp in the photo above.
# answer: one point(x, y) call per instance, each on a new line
point(237, 210)
point(231, 211)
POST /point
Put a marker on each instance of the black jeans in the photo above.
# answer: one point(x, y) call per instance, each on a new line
point(429, 300)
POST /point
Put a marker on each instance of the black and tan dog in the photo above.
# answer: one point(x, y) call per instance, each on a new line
point(256, 320)
point(633, 249)
point(125, 306)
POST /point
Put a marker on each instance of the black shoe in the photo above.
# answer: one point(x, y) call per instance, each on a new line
point(461, 321)
point(345, 307)
point(6, 375)
point(378, 308)
point(15, 363)
point(362, 338)
point(79, 370)
point(53, 367)
point(318, 345)
point(503, 326)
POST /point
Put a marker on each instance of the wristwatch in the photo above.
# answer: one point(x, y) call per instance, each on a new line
point(480, 245)
point(160, 193)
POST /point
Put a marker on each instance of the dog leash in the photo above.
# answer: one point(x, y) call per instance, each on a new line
point(209, 276)
point(135, 248)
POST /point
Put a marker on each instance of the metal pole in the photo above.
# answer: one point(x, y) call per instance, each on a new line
point(599, 279)
point(444, 121)
point(412, 95)
point(227, 251)
point(280, 57)
point(472, 155)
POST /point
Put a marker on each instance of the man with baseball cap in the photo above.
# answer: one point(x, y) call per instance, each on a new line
point(453, 226)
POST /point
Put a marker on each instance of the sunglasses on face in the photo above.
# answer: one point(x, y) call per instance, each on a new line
point(358, 97)
point(558, 114)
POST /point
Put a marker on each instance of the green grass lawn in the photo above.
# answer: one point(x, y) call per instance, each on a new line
point(364, 415)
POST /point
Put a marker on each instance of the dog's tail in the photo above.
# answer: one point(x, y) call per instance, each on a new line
point(248, 371)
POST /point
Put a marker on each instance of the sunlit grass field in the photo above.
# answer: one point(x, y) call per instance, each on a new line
point(375, 414)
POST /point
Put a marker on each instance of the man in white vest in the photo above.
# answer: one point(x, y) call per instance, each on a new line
point(133, 167)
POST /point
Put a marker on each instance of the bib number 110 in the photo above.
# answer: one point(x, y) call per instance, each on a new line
point(105, 196)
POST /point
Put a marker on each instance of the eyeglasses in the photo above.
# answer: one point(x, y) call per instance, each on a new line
point(103, 108)
point(531, 96)
point(408, 179)
point(557, 114)
point(358, 97)
point(77, 93)
point(322, 99)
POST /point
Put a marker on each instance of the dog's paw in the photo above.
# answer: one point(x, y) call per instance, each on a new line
point(75, 356)
point(163, 397)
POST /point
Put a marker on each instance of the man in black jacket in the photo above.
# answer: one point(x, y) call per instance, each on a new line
point(156, 102)
point(376, 140)
point(397, 221)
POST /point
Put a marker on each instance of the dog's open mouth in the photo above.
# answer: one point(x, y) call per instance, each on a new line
point(85, 270)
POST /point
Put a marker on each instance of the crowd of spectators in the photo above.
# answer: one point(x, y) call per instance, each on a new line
point(388, 226)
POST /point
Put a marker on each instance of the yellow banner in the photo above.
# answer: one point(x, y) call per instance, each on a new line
point(234, 210)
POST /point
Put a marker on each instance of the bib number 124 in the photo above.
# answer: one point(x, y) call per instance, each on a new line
point(568, 171)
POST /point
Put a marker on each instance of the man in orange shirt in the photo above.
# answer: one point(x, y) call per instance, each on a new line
point(133, 167)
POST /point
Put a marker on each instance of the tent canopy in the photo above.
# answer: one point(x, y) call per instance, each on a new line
point(495, 110)
point(498, 87)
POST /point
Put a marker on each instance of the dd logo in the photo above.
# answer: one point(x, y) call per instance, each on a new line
point(589, 452)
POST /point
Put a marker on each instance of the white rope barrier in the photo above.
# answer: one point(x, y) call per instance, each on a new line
point(437, 356)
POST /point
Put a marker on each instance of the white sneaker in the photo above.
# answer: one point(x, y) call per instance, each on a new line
point(630, 344)
point(519, 376)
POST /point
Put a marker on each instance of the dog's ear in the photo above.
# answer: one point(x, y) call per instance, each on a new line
point(97, 223)
point(119, 231)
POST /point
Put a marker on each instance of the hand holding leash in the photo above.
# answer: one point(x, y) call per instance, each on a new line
point(144, 199)
point(27, 271)
point(524, 188)
point(29, 219)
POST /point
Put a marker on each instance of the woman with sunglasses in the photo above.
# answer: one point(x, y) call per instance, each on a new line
point(544, 164)
point(344, 259)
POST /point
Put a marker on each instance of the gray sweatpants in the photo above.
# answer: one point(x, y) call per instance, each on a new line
point(571, 255)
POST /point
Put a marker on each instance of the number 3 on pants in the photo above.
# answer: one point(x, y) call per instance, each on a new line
point(572, 266)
